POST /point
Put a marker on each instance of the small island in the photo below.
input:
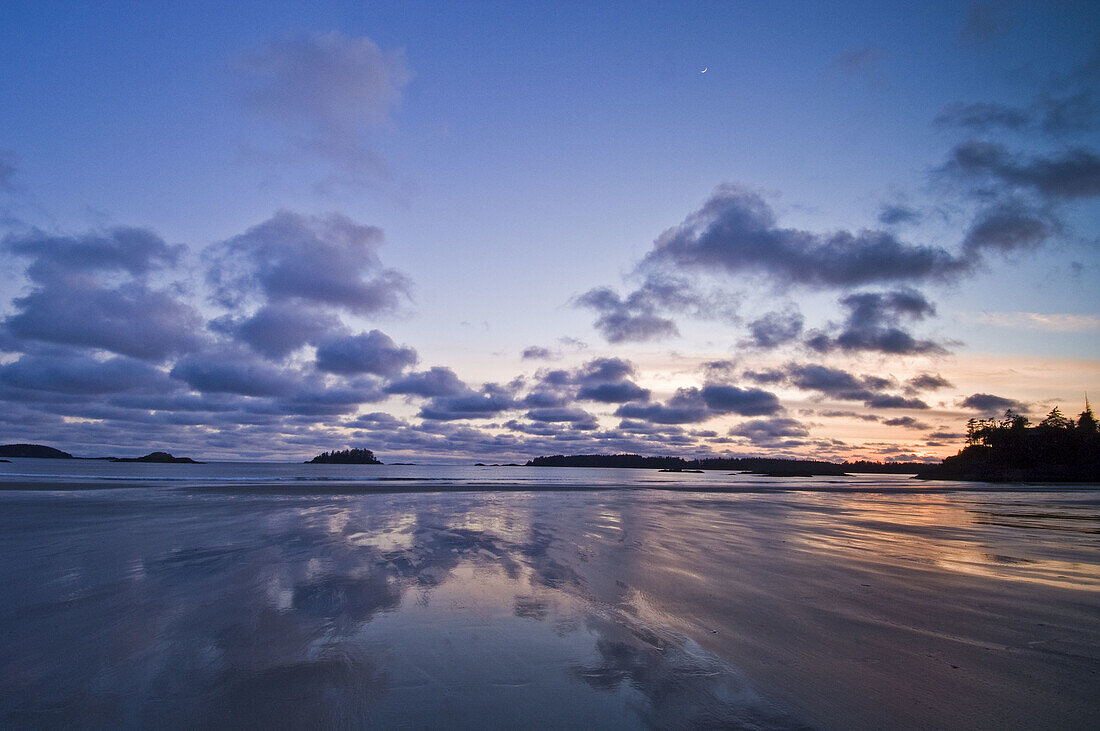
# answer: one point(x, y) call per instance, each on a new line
point(157, 457)
point(1011, 450)
point(347, 456)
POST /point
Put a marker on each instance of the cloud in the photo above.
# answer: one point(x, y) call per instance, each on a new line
point(723, 398)
point(92, 291)
point(1052, 321)
point(234, 371)
point(373, 352)
point(907, 421)
point(775, 329)
point(1073, 173)
point(629, 320)
point(435, 381)
point(278, 330)
point(736, 231)
point(320, 260)
point(896, 213)
point(560, 415)
point(987, 403)
point(614, 393)
point(491, 400)
point(886, 401)
point(693, 405)
point(326, 92)
point(927, 382)
point(1008, 226)
point(873, 324)
point(536, 352)
point(769, 432)
point(81, 375)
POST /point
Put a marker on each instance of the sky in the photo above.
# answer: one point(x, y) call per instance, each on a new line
point(491, 231)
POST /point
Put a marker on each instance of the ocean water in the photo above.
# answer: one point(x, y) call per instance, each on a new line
point(295, 596)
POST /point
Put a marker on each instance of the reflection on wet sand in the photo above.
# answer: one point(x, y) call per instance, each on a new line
point(605, 609)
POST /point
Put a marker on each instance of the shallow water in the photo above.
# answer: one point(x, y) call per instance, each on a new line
point(218, 598)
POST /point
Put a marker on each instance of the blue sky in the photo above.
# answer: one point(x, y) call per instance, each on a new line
point(517, 159)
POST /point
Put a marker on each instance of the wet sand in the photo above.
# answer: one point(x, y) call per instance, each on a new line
point(613, 608)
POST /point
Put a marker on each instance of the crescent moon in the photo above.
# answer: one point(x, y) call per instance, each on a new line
point(704, 70)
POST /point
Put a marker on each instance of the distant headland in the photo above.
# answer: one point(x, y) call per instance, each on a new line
point(1057, 449)
point(40, 451)
point(347, 456)
point(755, 465)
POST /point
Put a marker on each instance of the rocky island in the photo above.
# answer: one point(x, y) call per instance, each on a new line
point(347, 456)
point(36, 451)
point(158, 457)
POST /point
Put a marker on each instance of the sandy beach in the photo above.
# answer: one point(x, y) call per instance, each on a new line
point(628, 608)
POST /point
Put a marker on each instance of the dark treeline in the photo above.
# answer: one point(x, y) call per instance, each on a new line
point(347, 456)
point(750, 464)
point(1057, 449)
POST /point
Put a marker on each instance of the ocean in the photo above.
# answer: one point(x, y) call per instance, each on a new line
point(293, 596)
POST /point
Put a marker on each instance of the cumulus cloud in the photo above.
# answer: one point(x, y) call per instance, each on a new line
point(490, 401)
point(326, 261)
point(234, 371)
point(927, 382)
point(987, 404)
point(373, 352)
point(770, 432)
point(81, 375)
point(277, 330)
point(775, 328)
point(897, 213)
point(693, 405)
point(327, 92)
point(906, 421)
point(626, 320)
point(736, 231)
point(873, 323)
point(435, 381)
point(92, 291)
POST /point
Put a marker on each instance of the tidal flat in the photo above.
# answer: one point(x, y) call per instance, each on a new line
point(179, 605)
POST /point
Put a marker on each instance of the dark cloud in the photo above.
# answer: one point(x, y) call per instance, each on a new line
point(907, 421)
point(538, 353)
point(323, 260)
point(927, 382)
point(614, 393)
point(81, 375)
point(1008, 226)
point(766, 377)
point(560, 414)
point(896, 213)
point(767, 432)
point(685, 407)
point(629, 320)
point(1074, 173)
point(736, 231)
point(833, 382)
point(726, 399)
point(92, 291)
point(435, 381)
point(234, 371)
point(491, 400)
point(278, 330)
point(873, 323)
point(373, 352)
point(887, 401)
point(693, 405)
point(326, 93)
point(776, 328)
point(987, 403)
